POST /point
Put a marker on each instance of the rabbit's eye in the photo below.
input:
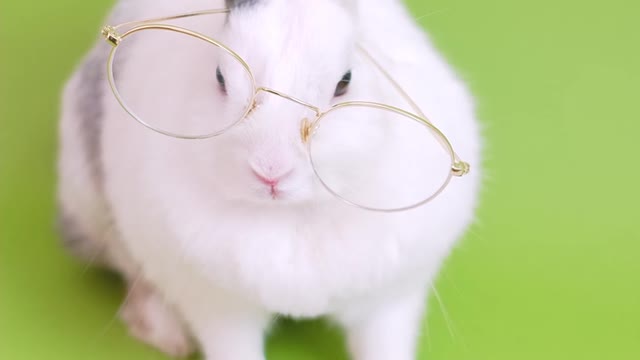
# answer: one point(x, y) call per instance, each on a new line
point(221, 83)
point(343, 84)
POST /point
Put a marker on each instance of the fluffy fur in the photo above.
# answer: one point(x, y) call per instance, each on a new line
point(189, 221)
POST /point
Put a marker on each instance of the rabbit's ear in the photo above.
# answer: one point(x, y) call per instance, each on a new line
point(231, 4)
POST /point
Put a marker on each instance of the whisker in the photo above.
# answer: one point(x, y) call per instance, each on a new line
point(94, 257)
point(109, 233)
point(448, 320)
point(130, 287)
point(444, 311)
point(432, 13)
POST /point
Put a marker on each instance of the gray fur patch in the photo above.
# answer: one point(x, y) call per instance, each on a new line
point(73, 238)
point(231, 4)
point(89, 107)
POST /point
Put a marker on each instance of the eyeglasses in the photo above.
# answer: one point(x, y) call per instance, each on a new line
point(370, 155)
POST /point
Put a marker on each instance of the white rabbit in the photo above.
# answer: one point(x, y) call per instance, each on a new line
point(208, 252)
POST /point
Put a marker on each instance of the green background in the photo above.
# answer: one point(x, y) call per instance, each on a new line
point(550, 271)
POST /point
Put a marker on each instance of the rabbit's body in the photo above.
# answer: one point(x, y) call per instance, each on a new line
point(183, 218)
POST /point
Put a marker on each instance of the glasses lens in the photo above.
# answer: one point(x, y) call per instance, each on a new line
point(179, 84)
point(378, 158)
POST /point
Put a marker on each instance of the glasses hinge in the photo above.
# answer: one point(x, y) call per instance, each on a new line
point(460, 168)
point(111, 35)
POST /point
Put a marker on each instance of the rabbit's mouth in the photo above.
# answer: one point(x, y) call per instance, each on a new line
point(272, 184)
point(284, 191)
point(275, 192)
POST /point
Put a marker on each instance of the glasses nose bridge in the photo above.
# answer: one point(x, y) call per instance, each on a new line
point(315, 109)
point(305, 125)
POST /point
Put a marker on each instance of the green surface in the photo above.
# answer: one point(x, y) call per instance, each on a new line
point(549, 272)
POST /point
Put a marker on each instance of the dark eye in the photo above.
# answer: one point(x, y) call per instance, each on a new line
point(343, 85)
point(221, 83)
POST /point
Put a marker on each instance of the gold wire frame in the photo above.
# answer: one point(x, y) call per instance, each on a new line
point(458, 167)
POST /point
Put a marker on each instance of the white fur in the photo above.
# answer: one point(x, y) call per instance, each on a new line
point(203, 230)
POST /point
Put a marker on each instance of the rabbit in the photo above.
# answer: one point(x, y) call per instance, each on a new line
point(209, 254)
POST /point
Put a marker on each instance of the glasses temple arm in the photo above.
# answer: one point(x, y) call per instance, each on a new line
point(459, 167)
